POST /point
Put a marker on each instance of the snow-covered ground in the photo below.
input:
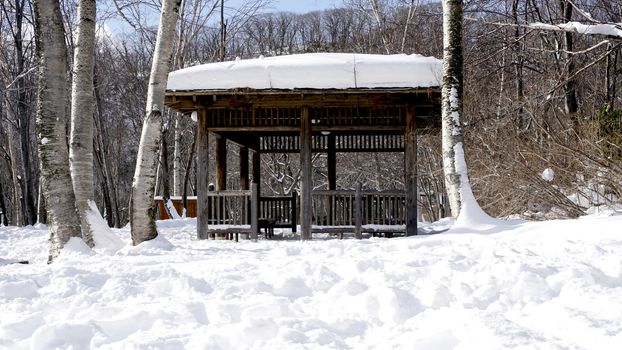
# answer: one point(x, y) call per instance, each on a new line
point(530, 285)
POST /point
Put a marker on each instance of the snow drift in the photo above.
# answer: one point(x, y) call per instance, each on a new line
point(543, 285)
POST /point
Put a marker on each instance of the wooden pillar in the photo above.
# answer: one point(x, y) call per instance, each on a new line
point(306, 201)
point(410, 171)
point(255, 193)
point(256, 164)
point(244, 184)
point(221, 163)
point(202, 175)
point(331, 160)
point(254, 211)
point(358, 212)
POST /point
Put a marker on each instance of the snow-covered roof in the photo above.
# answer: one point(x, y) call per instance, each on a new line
point(312, 71)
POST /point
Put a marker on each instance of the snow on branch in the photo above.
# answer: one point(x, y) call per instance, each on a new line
point(607, 29)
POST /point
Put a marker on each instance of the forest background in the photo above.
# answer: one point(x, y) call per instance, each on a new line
point(537, 102)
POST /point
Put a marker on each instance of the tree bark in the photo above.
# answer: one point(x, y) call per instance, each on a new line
point(82, 109)
point(452, 98)
point(52, 120)
point(571, 103)
point(177, 178)
point(27, 196)
point(184, 193)
point(18, 203)
point(101, 139)
point(142, 210)
point(461, 200)
point(3, 217)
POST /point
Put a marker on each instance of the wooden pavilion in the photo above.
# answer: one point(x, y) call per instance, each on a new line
point(305, 104)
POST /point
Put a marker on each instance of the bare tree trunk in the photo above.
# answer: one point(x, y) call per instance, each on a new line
point(518, 66)
point(461, 199)
point(27, 182)
point(375, 8)
point(142, 212)
point(223, 32)
point(409, 17)
point(177, 179)
point(452, 98)
point(571, 103)
point(188, 168)
point(82, 109)
point(3, 217)
point(42, 216)
point(102, 142)
point(51, 124)
point(18, 205)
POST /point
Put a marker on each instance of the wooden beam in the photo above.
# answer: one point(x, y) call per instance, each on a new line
point(306, 201)
point(221, 163)
point(410, 171)
point(244, 184)
point(277, 129)
point(182, 100)
point(247, 140)
point(202, 175)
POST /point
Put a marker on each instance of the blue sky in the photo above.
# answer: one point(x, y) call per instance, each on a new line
point(302, 6)
point(117, 25)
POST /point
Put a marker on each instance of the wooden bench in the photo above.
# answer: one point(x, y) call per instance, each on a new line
point(268, 225)
point(387, 231)
point(229, 232)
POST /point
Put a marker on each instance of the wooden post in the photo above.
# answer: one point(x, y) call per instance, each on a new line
point(221, 181)
point(410, 171)
point(358, 213)
point(244, 184)
point(202, 176)
point(306, 201)
point(294, 211)
point(254, 211)
point(256, 164)
point(331, 160)
point(332, 163)
point(221, 163)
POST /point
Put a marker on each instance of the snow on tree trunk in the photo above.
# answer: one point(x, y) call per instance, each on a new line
point(462, 202)
point(82, 109)
point(52, 119)
point(452, 98)
point(177, 178)
point(142, 209)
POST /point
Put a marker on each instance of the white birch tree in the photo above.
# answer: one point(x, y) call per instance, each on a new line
point(461, 199)
point(82, 109)
point(52, 120)
point(142, 209)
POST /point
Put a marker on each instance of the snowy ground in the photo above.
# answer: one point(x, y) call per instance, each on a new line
point(544, 285)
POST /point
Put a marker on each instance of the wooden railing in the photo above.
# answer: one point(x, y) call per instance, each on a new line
point(282, 211)
point(358, 208)
point(229, 208)
point(245, 211)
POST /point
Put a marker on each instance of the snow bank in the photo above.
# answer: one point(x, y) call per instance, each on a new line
point(312, 71)
point(544, 285)
point(105, 240)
